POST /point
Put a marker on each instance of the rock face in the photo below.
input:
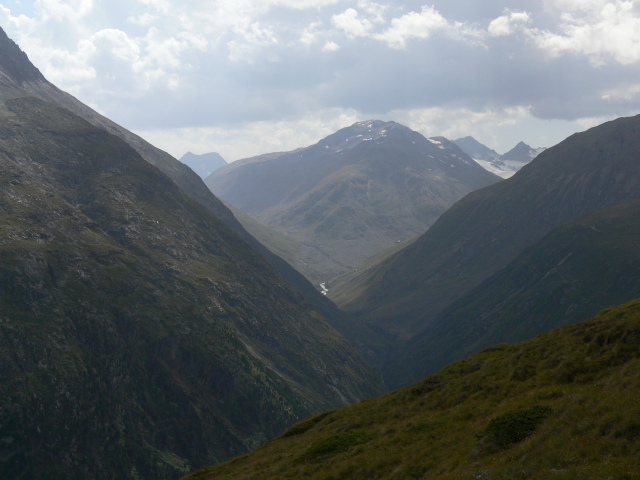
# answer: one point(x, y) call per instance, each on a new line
point(354, 193)
point(140, 336)
point(485, 231)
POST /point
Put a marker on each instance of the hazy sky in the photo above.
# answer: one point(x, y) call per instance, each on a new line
point(243, 77)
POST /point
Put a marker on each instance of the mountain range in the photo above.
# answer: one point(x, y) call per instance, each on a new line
point(352, 194)
point(143, 332)
point(205, 164)
point(486, 271)
point(504, 165)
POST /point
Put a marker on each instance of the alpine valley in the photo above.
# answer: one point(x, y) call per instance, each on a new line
point(145, 333)
point(555, 243)
point(351, 195)
point(140, 336)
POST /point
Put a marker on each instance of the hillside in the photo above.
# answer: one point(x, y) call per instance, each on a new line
point(488, 228)
point(19, 77)
point(352, 194)
point(140, 336)
point(562, 405)
point(573, 272)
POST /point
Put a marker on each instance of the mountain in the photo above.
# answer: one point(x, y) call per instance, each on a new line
point(521, 153)
point(562, 405)
point(352, 194)
point(476, 150)
point(140, 335)
point(502, 165)
point(576, 270)
point(482, 233)
point(205, 164)
point(18, 77)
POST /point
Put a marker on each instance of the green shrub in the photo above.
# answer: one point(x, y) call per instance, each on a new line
point(511, 428)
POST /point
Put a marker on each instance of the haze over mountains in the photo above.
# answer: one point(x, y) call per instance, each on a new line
point(504, 165)
point(352, 194)
point(140, 336)
point(205, 164)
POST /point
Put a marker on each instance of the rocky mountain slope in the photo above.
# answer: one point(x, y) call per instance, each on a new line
point(504, 165)
point(140, 336)
point(489, 228)
point(562, 405)
point(19, 77)
point(354, 193)
point(205, 164)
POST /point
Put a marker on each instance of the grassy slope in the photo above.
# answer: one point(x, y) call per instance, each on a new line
point(570, 274)
point(563, 405)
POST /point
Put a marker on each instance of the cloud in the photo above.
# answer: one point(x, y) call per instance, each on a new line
point(506, 24)
point(414, 25)
point(598, 29)
point(237, 66)
point(253, 138)
point(331, 47)
point(351, 24)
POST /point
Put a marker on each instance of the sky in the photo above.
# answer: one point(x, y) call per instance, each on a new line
point(246, 77)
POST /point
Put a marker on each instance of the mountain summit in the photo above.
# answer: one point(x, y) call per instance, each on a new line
point(354, 193)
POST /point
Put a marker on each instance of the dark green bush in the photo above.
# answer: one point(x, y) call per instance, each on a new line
point(512, 427)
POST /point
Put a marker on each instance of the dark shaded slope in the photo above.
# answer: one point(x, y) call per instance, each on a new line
point(562, 405)
point(354, 193)
point(488, 228)
point(139, 336)
point(578, 269)
point(18, 77)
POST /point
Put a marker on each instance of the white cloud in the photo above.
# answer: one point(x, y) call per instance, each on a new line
point(506, 24)
point(252, 138)
point(626, 93)
point(598, 29)
point(414, 25)
point(352, 24)
point(331, 47)
point(64, 10)
point(454, 122)
point(252, 38)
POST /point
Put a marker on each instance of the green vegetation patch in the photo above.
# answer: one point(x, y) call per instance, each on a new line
point(512, 427)
point(337, 443)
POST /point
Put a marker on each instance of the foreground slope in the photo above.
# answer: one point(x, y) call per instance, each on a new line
point(562, 405)
point(354, 193)
point(488, 228)
point(139, 336)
